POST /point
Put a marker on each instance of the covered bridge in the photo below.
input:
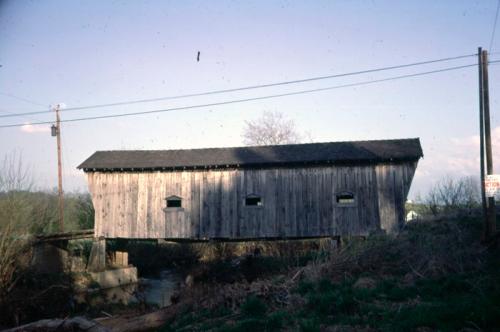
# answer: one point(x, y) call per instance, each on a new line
point(283, 191)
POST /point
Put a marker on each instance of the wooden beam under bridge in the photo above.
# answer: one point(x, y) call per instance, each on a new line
point(66, 236)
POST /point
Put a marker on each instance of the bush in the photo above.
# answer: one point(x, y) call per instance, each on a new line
point(83, 210)
point(453, 196)
point(12, 250)
point(14, 220)
point(37, 296)
point(253, 307)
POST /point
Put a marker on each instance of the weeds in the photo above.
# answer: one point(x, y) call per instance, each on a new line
point(434, 275)
point(37, 296)
point(253, 307)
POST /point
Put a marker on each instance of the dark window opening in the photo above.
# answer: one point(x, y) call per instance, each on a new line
point(253, 200)
point(345, 198)
point(174, 202)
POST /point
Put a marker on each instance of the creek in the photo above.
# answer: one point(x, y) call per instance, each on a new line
point(156, 291)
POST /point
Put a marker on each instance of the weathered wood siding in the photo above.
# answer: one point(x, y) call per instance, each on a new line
point(296, 202)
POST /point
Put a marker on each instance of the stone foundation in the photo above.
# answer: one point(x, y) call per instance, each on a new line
point(115, 277)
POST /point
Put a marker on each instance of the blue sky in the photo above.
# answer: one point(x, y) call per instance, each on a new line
point(91, 52)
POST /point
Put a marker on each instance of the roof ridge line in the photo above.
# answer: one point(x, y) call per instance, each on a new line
point(265, 146)
point(373, 151)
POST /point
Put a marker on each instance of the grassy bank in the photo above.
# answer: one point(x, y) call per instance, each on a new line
point(435, 276)
point(25, 295)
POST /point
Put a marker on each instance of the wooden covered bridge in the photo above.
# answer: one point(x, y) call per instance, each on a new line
point(267, 192)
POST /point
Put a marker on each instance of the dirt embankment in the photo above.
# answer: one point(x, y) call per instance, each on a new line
point(434, 276)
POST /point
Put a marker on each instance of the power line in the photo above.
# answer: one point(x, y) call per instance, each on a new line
point(252, 87)
point(17, 114)
point(251, 99)
point(21, 99)
point(494, 26)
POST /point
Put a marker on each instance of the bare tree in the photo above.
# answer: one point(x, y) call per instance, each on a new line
point(14, 175)
point(471, 192)
point(432, 201)
point(453, 195)
point(15, 183)
point(271, 128)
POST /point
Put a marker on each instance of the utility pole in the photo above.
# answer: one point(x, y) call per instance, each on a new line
point(491, 230)
point(481, 142)
point(489, 210)
point(56, 131)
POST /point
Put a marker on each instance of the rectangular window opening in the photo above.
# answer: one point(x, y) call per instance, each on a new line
point(174, 202)
point(345, 198)
point(253, 201)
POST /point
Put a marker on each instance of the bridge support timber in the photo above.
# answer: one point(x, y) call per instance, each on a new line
point(97, 259)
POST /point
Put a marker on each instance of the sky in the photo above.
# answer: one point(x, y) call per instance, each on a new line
point(81, 53)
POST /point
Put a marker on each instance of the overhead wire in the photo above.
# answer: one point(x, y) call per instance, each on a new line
point(251, 87)
point(494, 26)
point(10, 95)
point(30, 118)
point(235, 101)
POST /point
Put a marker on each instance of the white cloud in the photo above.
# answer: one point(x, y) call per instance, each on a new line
point(461, 154)
point(465, 152)
point(32, 129)
point(455, 157)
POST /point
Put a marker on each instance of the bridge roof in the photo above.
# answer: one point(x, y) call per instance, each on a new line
point(352, 152)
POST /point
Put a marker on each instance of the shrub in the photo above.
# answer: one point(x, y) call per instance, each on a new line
point(453, 196)
point(14, 219)
point(253, 307)
point(12, 250)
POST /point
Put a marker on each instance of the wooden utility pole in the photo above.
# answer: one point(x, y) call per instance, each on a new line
point(489, 210)
point(487, 137)
point(57, 130)
point(481, 143)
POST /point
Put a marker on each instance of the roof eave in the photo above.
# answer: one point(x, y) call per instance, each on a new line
point(250, 166)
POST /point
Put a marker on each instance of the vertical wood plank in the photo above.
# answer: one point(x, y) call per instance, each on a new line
point(296, 201)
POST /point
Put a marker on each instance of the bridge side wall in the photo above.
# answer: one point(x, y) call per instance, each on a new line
point(296, 202)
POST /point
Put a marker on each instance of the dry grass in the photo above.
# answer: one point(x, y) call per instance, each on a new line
point(288, 249)
point(408, 273)
point(11, 251)
point(426, 249)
